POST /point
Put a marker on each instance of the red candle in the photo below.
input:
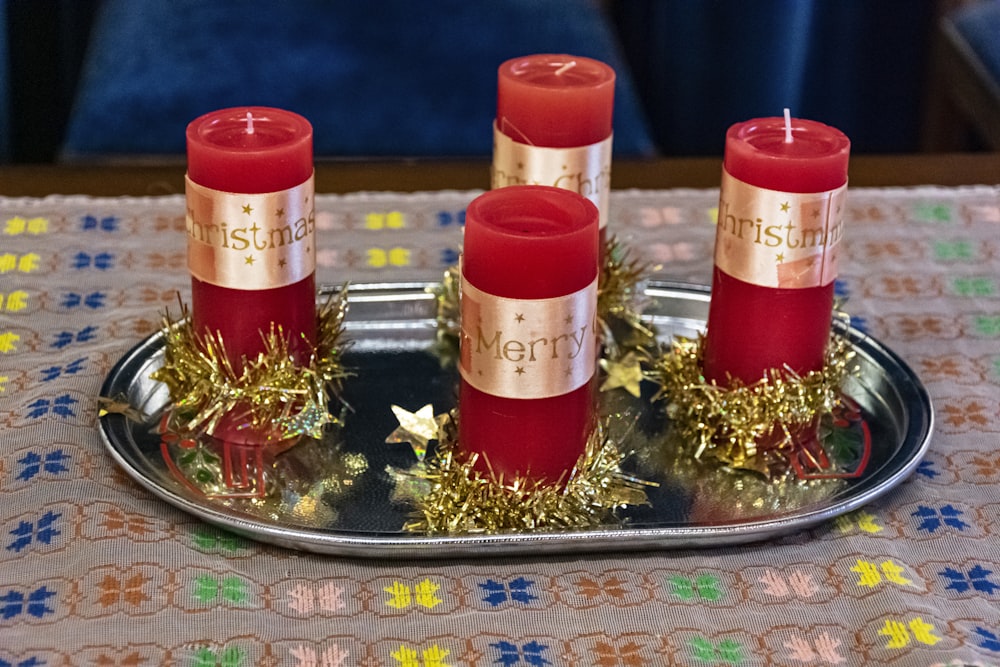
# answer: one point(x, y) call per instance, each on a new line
point(251, 240)
point(780, 222)
point(553, 125)
point(528, 348)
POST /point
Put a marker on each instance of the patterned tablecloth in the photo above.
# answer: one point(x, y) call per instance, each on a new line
point(94, 570)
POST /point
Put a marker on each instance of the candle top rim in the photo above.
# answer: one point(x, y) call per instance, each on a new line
point(533, 212)
point(542, 70)
point(227, 129)
point(810, 138)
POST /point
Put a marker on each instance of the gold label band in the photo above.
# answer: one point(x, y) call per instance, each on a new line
point(528, 348)
point(585, 170)
point(251, 241)
point(778, 239)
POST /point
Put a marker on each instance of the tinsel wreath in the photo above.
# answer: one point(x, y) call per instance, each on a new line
point(271, 392)
point(451, 497)
point(764, 426)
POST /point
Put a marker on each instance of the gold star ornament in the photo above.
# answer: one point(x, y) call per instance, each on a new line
point(625, 373)
point(417, 428)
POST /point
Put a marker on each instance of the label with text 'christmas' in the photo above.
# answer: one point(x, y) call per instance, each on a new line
point(528, 348)
point(251, 241)
point(778, 239)
point(585, 170)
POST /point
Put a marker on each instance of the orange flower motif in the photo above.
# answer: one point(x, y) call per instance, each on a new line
point(115, 590)
point(985, 466)
point(627, 654)
point(942, 366)
point(592, 588)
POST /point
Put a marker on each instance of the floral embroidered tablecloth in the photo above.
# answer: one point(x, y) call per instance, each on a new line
point(94, 570)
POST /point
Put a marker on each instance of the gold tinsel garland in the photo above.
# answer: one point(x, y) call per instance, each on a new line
point(452, 497)
point(753, 426)
point(272, 391)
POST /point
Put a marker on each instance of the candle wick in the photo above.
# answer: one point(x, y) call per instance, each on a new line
point(249, 123)
point(565, 68)
point(788, 126)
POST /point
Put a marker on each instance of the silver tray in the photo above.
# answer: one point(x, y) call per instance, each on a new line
point(313, 504)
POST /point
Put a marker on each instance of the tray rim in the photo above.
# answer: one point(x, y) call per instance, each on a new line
point(918, 427)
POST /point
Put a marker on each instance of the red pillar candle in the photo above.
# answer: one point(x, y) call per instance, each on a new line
point(528, 346)
point(553, 125)
point(780, 222)
point(251, 233)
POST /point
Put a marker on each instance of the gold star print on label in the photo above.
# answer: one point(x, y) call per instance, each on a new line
point(249, 259)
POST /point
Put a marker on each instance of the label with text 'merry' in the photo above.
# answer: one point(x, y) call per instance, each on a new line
point(528, 348)
point(778, 239)
point(251, 241)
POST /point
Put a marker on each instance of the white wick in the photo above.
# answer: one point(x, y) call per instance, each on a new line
point(249, 123)
point(565, 68)
point(788, 126)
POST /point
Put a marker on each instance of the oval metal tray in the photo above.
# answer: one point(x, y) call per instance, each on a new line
point(315, 503)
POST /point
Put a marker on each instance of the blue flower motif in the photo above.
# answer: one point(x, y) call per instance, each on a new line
point(64, 338)
point(93, 223)
point(60, 406)
point(26, 532)
point(990, 641)
point(926, 468)
point(529, 654)
point(447, 218)
point(14, 603)
point(51, 463)
point(102, 261)
point(935, 518)
point(30, 662)
point(516, 590)
point(977, 578)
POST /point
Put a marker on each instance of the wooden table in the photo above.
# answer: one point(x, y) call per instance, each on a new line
point(416, 175)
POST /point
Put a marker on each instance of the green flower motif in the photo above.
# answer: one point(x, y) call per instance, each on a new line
point(975, 286)
point(230, 589)
point(208, 539)
point(705, 586)
point(728, 651)
point(988, 325)
point(954, 251)
point(232, 656)
point(932, 212)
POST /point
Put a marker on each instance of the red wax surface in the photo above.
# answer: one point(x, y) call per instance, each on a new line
point(542, 101)
point(278, 155)
point(752, 329)
point(528, 242)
